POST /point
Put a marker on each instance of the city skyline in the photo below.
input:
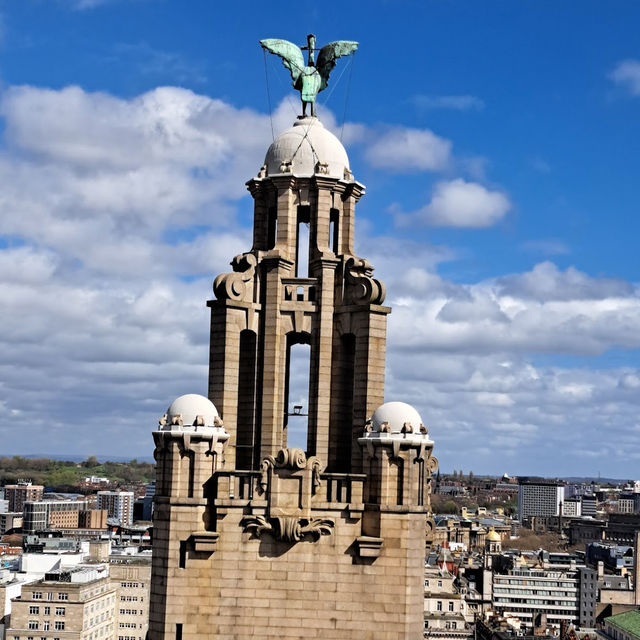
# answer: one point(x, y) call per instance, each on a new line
point(496, 145)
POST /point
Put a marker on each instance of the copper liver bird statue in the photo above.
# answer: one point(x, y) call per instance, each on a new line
point(313, 77)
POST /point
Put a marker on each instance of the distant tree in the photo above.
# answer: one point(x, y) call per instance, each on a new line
point(470, 477)
point(91, 461)
point(449, 507)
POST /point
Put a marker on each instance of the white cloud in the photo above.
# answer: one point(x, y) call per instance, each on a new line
point(401, 149)
point(627, 75)
point(458, 103)
point(458, 203)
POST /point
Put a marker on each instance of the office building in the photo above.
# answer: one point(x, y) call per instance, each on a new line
point(539, 498)
point(117, 504)
point(73, 604)
point(18, 494)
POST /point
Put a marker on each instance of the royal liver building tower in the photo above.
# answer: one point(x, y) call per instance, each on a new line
point(254, 538)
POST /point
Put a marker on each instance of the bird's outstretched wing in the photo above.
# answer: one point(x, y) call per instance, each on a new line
point(290, 53)
point(328, 56)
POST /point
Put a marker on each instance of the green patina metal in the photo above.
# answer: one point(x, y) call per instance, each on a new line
point(311, 78)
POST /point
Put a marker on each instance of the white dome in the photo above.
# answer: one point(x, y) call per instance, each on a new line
point(299, 149)
point(396, 415)
point(190, 407)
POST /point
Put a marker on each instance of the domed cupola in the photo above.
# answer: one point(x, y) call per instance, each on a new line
point(306, 149)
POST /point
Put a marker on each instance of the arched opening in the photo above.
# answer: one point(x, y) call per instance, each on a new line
point(246, 421)
point(296, 391)
point(302, 242)
point(333, 230)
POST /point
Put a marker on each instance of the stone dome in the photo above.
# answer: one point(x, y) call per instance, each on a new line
point(305, 149)
point(194, 410)
point(395, 415)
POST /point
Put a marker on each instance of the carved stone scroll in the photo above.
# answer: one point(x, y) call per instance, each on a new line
point(234, 286)
point(361, 287)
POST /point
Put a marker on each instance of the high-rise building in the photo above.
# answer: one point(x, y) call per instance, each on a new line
point(117, 504)
point(539, 498)
point(18, 494)
point(253, 536)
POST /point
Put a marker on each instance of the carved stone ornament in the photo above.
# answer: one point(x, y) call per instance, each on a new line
point(362, 288)
point(289, 480)
point(322, 168)
point(234, 286)
point(288, 529)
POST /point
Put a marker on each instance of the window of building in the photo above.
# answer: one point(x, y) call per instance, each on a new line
point(47, 611)
point(37, 595)
point(34, 610)
point(439, 605)
point(439, 583)
point(454, 625)
point(63, 596)
point(45, 625)
point(60, 611)
point(59, 625)
point(49, 596)
point(33, 624)
point(426, 583)
point(450, 606)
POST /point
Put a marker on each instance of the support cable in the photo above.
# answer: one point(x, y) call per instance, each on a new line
point(346, 98)
point(266, 75)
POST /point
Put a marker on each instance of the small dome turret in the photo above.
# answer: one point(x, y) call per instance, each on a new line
point(493, 536)
point(396, 417)
point(190, 411)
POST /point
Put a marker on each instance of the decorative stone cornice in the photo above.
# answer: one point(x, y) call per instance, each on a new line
point(396, 441)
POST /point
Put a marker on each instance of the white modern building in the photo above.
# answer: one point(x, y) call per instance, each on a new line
point(539, 498)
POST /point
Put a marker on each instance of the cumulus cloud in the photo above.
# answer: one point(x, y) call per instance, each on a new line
point(467, 356)
point(401, 149)
point(458, 203)
point(627, 75)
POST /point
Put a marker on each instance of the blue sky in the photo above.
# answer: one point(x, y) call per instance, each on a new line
point(498, 144)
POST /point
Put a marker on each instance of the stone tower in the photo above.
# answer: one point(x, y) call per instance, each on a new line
point(253, 537)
